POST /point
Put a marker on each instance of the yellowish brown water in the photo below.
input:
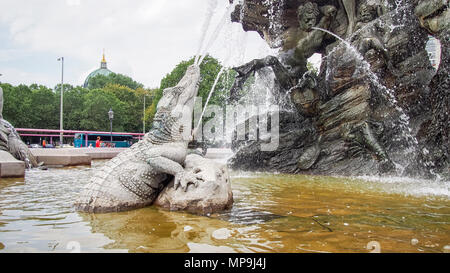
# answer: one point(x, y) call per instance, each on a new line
point(271, 213)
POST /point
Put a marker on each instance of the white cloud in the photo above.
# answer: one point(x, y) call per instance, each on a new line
point(143, 39)
point(17, 76)
point(73, 2)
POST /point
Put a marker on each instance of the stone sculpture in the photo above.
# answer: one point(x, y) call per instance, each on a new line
point(213, 194)
point(376, 95)
point(298, 43)
point(135, 177)
point(10, 141)
point(372, 36)
point(350, 10)
point(434, 15)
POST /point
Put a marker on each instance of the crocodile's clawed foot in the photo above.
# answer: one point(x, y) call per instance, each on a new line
point(186, 178)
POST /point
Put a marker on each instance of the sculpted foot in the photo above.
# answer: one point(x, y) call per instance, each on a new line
point(186, 178)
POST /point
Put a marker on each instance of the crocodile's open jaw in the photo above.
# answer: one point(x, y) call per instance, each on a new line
point(179, 100)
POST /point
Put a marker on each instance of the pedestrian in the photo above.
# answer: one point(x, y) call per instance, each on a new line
point(97, 143)
point(43, 143)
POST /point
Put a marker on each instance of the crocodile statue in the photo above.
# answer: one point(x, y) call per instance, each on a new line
point(135, 177)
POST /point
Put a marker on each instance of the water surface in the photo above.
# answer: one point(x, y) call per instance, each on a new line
point(271, 213)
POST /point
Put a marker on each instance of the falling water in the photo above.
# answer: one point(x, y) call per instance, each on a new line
point(382, 19)
point(364, 67)
point(216, 32)
point(209, 96)
point(275, 13)
point(259, 89)
point(212, 4)
point(224, 21)
point(28, 163)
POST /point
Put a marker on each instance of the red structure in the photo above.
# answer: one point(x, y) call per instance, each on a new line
point(51, 133)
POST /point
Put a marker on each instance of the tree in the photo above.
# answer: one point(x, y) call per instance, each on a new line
point(132, 102)
point(44, 109)
point(96, 105)
point(73, 107)
point(17, 105)
point(310, 66)
point(100, 81)
point(149, 97)
point(209, 69)
point(37, 106)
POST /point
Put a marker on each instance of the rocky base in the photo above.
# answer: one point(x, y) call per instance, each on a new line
point(299, 152)
point(212, 195)
point(10, 167)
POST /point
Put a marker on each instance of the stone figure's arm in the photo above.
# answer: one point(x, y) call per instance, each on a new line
point(20, 151)
point(4, 133)
point(426, 8)
point(163, 164)
point(329, 13)
point(246, 70)
point(307, 45)
point(350, 10)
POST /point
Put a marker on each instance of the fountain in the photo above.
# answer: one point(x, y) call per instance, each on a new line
point(372, 101)
point(377, 106)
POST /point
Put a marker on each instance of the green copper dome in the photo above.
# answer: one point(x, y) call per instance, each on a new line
point(103, 70)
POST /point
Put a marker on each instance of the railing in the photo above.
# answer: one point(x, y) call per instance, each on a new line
point(68, 133)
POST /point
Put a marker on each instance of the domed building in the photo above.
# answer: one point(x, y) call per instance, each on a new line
point(103, 70)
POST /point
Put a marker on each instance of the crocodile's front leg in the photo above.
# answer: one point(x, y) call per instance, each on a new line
point(168, 160)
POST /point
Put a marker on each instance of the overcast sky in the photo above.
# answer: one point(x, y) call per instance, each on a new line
point(143, 39)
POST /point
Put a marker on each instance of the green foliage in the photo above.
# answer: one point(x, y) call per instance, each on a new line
point(100, 81)
point(38, 107)
point(44, 106)
point(94, 116)
point(209, 69)
point(132, 103)
point(310, 66)
point(17, 103)
point(84, 109)
point(73, 107)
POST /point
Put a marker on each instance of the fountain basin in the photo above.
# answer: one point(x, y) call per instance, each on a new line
point(270, 213)
point(11, 167)
point(73, 156)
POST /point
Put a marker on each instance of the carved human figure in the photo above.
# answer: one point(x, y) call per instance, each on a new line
point(305, 95)
point(372, 36)
point(363, 136)
point(298, 44)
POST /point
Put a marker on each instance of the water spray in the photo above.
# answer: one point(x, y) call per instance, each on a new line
point(388, 93)
point(215, 33)
point(209, 97)
point(212, 4)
